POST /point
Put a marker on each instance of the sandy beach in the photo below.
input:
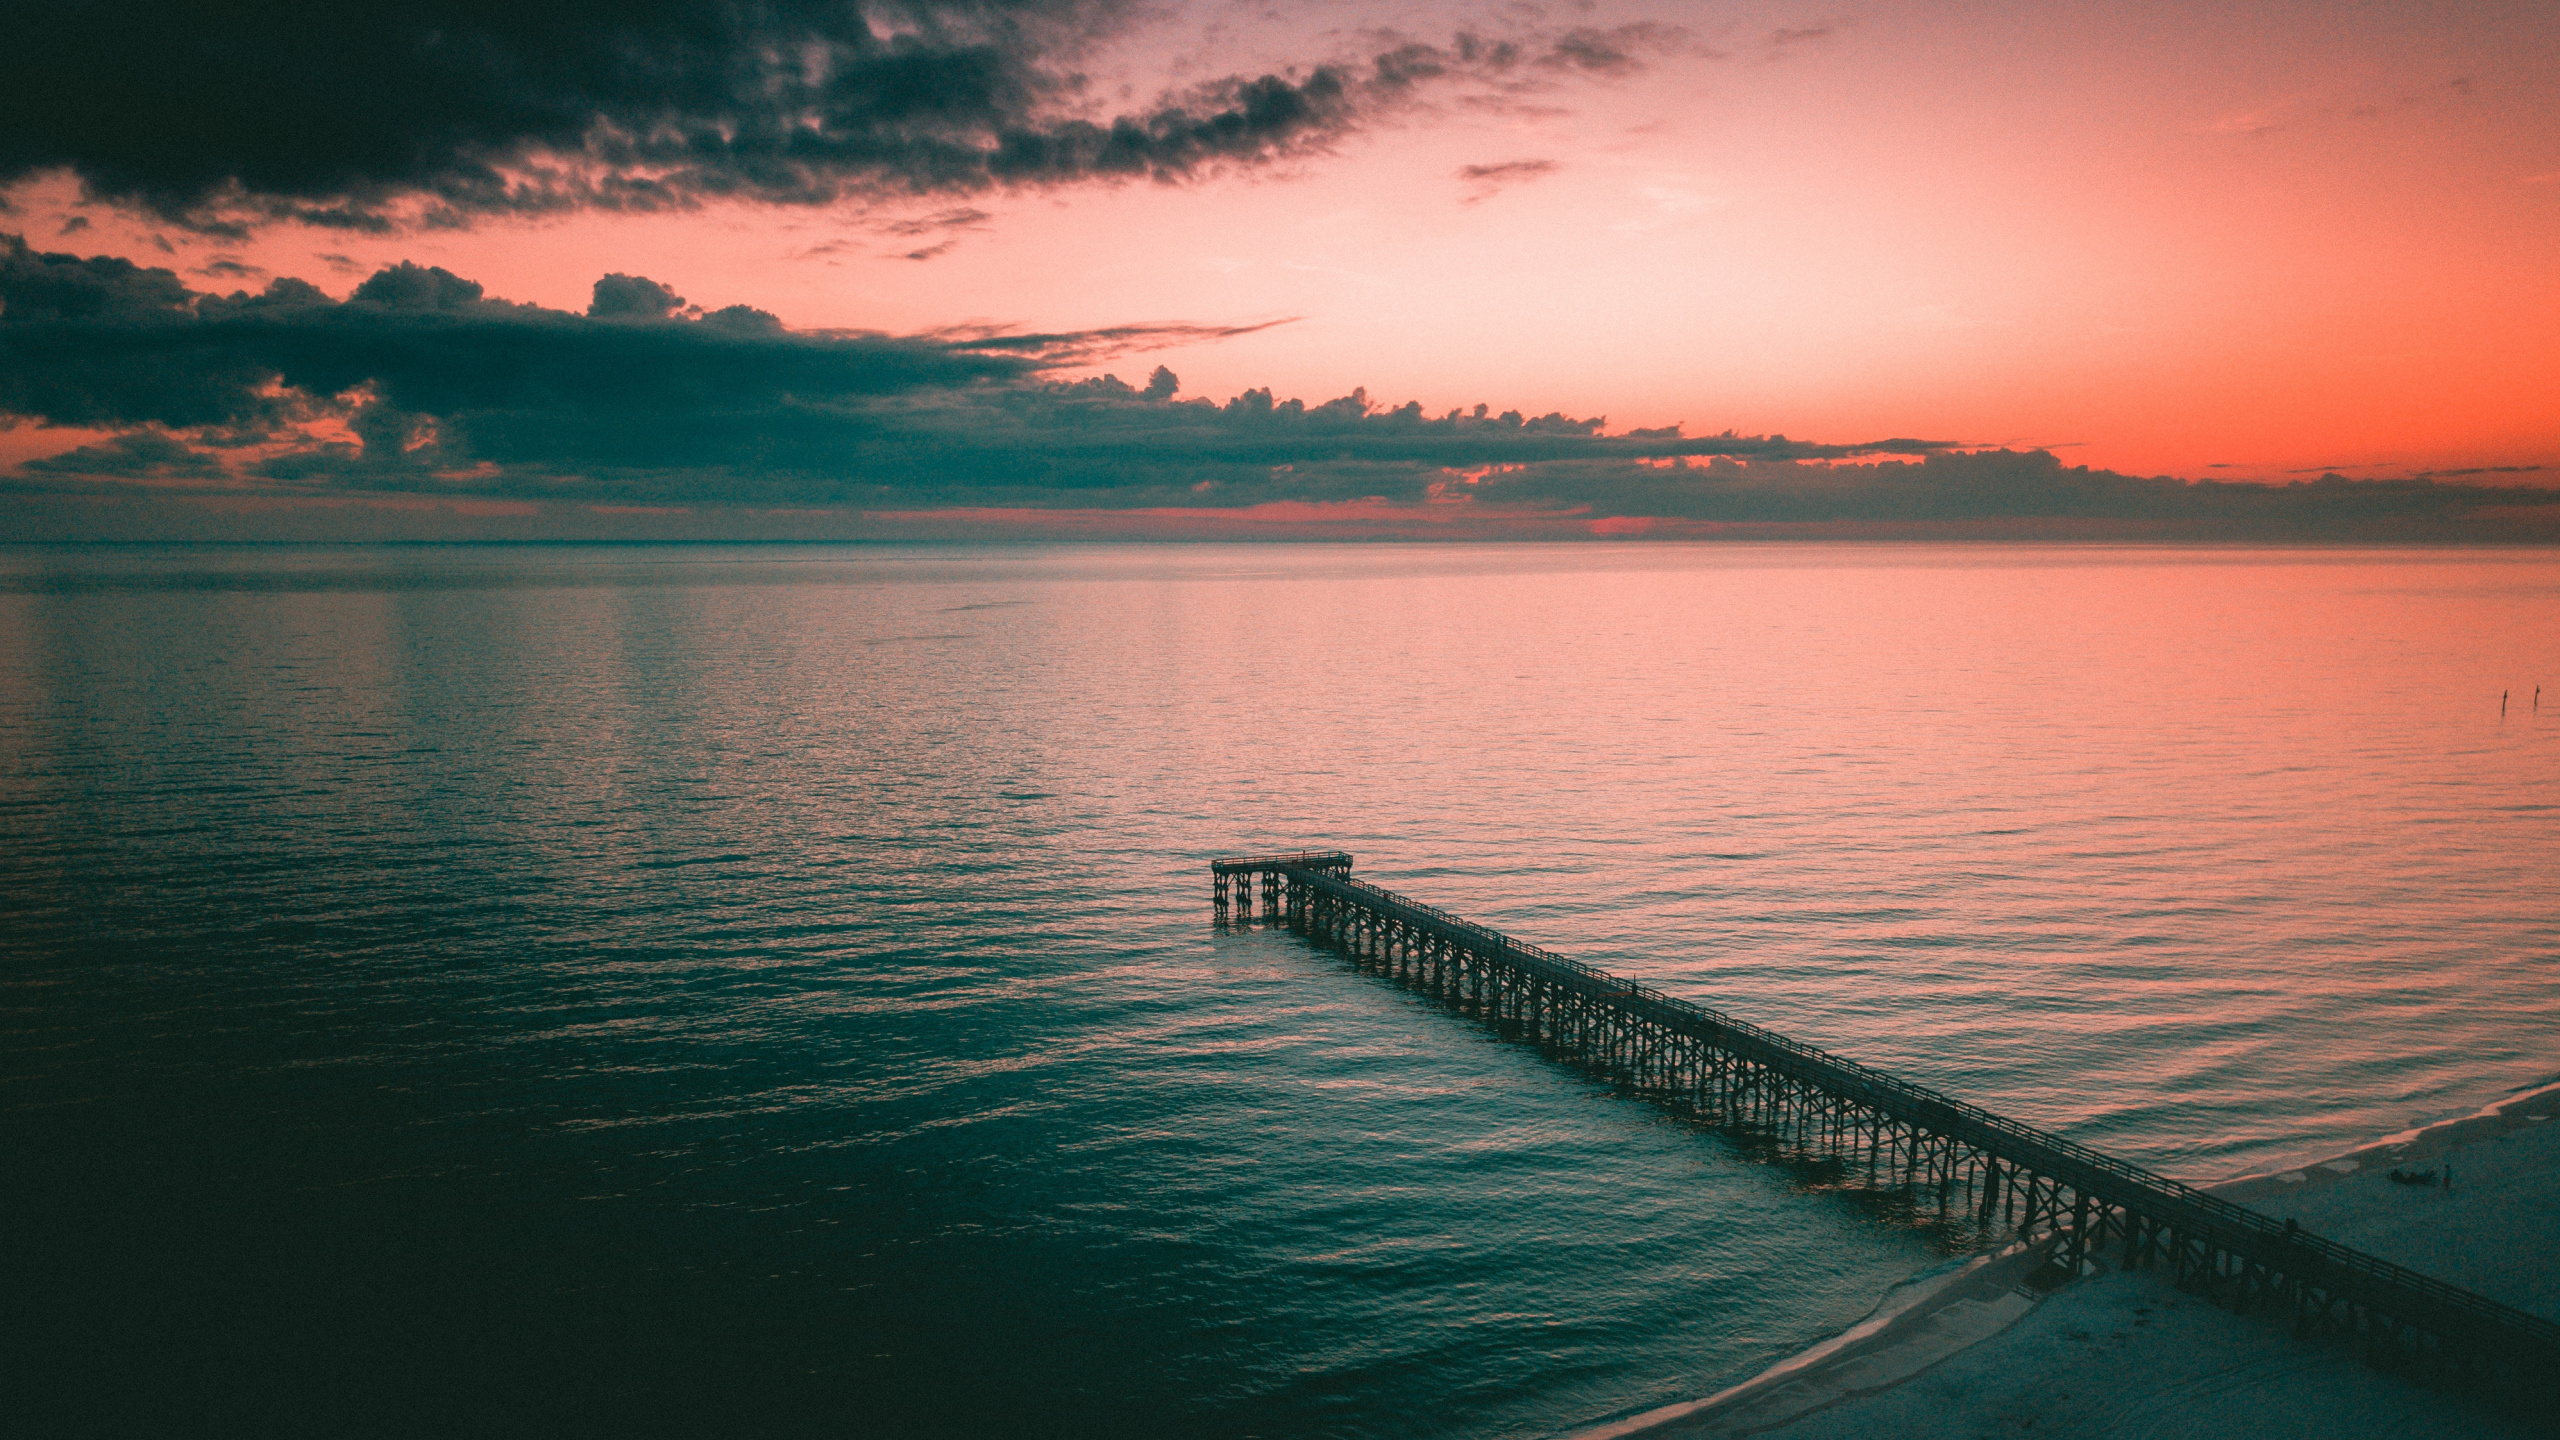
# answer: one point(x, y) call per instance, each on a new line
point(1980, 1351)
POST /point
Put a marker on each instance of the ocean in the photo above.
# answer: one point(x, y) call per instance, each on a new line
point(687, 989)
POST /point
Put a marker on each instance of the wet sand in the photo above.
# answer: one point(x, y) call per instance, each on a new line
point(1981, 1351)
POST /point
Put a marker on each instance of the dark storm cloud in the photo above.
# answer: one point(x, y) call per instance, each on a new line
point(103, 342)
point(218, 116)
point(418, 383)
point(418, 373)
point(138, 455)
point(633, 297)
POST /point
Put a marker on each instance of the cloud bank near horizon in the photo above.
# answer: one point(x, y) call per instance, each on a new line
point(418, 387)
point(359, 114)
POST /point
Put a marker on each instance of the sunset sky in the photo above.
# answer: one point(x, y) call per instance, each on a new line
point(2153, 241)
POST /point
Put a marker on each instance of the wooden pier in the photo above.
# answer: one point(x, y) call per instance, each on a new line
point(1892, 1135)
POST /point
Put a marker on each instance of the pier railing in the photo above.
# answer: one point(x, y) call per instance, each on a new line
point(1705, 1061)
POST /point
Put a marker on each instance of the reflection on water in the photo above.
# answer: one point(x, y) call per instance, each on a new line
point(605, 989)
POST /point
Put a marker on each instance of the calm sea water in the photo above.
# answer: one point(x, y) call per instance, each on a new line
point(689, 990)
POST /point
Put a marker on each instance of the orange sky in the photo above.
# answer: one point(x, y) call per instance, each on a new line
point(2311, 237)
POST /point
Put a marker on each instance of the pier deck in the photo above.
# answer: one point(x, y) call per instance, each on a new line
point(1707, 1064)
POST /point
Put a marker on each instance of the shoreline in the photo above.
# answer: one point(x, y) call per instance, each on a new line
point(1919, 1322)
point(1923, 1323)
point(2532, 1104)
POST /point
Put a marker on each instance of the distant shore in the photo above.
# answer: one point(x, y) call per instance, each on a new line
point(1977, 1348)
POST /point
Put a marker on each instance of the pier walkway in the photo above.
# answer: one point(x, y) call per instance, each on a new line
point(1890, 1134)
